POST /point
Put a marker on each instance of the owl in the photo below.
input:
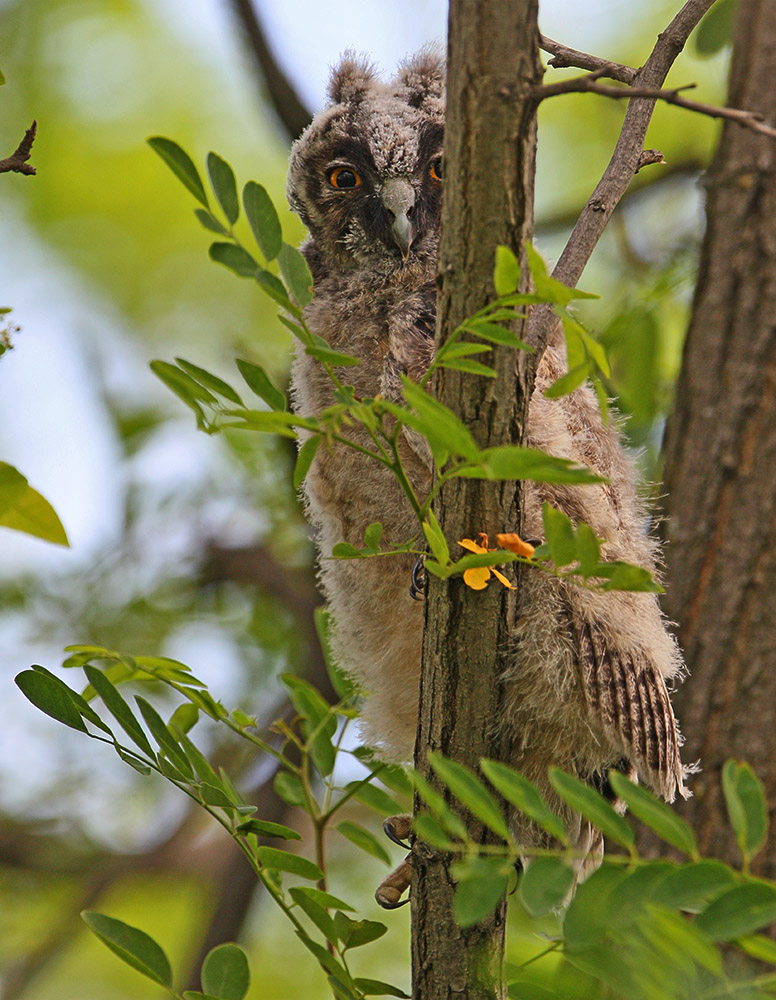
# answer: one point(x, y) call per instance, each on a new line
point(588, 685)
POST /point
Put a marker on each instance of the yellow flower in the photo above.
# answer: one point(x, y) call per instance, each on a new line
point(478, 577)
point(514, 543)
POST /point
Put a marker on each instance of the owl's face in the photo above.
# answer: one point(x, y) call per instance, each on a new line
point(366, 176)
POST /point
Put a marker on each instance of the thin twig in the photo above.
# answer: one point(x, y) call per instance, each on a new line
point(563, 56)
point(589, 84)
point(622, 166)
point(17, 161)
point(288, 106)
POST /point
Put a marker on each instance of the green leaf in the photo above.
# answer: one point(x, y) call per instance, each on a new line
point(496, 334)
point(290, 789)
point(210, 222)
point(266, 828)
point(511, 461)
point(315, 912)
point(52, 696)
point(263, 219)
point(587, 918)
point(375, 988)
point(354, 933)
point(435, 538)
point(482, 884)
point(305, 459)
point(715, 30)
point(325, 899)
point(224, 186)
point(738, 912)
point(330, 357)
point(559, 532)
point(594, 807)
point(198, 761)
point(184, 387)
point(626, 576)
point(272, 857)
point(325, 959)
point(525, 795)
point(373, 797)
point(118, 708)
point(372, 535)
point(167, 742)
point(506, 274)
point(436, 803)
point(225, 972)
point(320, 721)
point(235, 258)
point(296, 274)
point(760, 947)
point(364, 839)
point(181, 165)
point(272, 286)
point(569, 382)
point(470, 367)
point(548, 287)
point(693, 885)
point(655, 814)
point(544, 885)
point(184, 718)
point(471, 792)
point(461, 350)
point(133, 946)
point(746, 805)
point(23, 509)
point(214, 795)
point(209, 381)
point(439, 424)
point(341, 683)
point(431, 832)
point(344, 550)
point(588, 548)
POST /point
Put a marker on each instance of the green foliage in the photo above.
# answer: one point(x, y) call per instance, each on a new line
point(23, 509)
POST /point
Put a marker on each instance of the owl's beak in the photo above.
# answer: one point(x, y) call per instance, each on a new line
point(398, 196)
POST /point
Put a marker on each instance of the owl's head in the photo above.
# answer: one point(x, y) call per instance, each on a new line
point(366, 176)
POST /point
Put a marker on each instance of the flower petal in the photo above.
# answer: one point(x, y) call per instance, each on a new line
point(514, 543)
point(477, 578)
point(502, 579)
point(467, 543)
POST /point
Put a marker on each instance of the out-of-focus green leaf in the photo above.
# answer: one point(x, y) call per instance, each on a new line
point(655, 814)
point(739, 912)
point(594, 807)
point(471, 792)
point(525, 795)
point(506, 273)
point(375, 988)
point(23, 509)
point(330, 357)
point(133, 946)
point(693, 885)
point(305, 459)
point(482, 884)
point(544, 885)
point(716, 28)
point(746, 805)
point(559, 532)
point(181, 165)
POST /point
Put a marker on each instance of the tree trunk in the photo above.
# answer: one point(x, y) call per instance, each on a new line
point(490, 146)
point(721, 458)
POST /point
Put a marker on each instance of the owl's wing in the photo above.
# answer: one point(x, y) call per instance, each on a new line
point(629, 698)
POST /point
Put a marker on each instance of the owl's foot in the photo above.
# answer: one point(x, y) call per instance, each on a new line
point(394, 885)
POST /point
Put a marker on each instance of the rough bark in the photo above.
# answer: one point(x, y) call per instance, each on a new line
point(489, 168)
point(721, 458)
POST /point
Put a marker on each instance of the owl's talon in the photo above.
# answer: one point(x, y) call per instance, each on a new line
point(394, 885)
point(397, 829)
point(417, 582)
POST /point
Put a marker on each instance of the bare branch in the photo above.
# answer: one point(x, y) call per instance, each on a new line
point(288, 106)
point(17, 161)
point(622, 166)
point(589, 84)
point(564, 56)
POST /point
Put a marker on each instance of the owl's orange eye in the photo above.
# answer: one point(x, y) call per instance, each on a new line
point(435, 170)
point(344, 178)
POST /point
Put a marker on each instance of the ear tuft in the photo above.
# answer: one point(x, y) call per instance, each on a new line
point(422, 77)
point(351, 79)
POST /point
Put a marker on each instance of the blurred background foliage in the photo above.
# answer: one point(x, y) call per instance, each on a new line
point(194, 547)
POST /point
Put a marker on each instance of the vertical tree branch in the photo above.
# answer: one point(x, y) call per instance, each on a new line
point(490, 144)
point(720, 469)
